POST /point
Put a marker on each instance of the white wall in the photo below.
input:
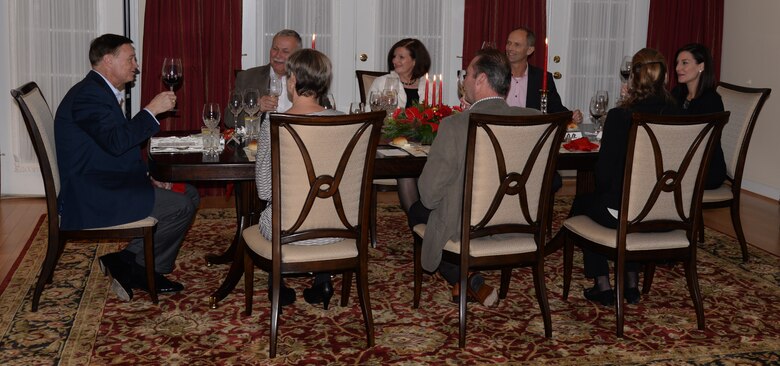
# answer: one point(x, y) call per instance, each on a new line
point(751, 40)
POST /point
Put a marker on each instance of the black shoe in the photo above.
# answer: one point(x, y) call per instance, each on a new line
point(163, 284)
point(606, 297)
point(631, 295)
point(319, 293)
point(286, 295)
point(121, 285)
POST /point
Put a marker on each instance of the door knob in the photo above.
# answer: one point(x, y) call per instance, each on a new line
point(557, 75)
point(363, 57)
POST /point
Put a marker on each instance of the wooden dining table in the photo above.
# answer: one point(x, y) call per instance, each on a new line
point(232, 165)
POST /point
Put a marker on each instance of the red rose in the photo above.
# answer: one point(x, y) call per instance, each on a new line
point(413, 113)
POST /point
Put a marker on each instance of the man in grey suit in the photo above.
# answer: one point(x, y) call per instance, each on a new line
point(284, 43)
point(487, 82)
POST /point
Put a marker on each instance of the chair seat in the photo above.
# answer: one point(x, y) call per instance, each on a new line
point(147, 222)
point(386, 182)
point(292, 253)
point(586, 228)
point(720, 194)
point(502, 244)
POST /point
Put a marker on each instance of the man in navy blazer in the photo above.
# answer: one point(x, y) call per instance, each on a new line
point(103, 179)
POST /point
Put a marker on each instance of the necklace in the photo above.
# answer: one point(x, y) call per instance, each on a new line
point(410, 83)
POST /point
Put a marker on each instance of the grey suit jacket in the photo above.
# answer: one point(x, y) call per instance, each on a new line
point(441, 182)
point(256, 77)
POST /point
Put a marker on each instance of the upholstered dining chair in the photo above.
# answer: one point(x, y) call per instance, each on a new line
point(321, 181)
point(510, 161)
point(660, 204)
point(365, 79)
point(744, 104)
point(40, 126)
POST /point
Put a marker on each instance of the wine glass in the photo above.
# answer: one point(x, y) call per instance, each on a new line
point(275, 87)
point(329, 101)
point(488, 45)
point(251, 107)
point(598, 108)
point(625, 68)
point(211, 117)
point(236, 104)
point(172, 74)
point(375, 101)
point(356, 107)
point(389, 100)
point(603, 95)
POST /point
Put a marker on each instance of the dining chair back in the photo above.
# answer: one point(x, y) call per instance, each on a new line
point(365, 78)
point(744, 104)
point(40, 126)
point(660, 203)
point(509, 166)
point(321, 177)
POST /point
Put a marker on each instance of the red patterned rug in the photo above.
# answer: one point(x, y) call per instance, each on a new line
point(81, 322)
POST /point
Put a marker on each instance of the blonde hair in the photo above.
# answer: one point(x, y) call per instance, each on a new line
point(648, 78)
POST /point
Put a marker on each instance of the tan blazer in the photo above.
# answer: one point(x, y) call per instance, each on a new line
point(441, 182)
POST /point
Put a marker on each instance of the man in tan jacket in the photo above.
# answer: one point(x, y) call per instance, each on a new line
point(487, 82)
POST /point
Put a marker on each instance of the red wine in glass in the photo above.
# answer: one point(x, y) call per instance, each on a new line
point(624, 74)
point(172, 74)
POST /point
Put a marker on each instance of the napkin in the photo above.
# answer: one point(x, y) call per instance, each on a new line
point(580, 144)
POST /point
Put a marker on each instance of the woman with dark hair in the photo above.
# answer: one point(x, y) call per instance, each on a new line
point(646, 93)
point(408, 61)
point(695, 93)
point(309, 74)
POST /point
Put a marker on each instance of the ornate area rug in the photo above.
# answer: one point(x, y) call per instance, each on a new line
point(81, 322)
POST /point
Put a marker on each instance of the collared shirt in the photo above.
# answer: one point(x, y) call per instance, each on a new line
point(284, 102)
point(518, 90)
point(120, 98)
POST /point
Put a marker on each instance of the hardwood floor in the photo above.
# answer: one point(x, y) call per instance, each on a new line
point(760, 220)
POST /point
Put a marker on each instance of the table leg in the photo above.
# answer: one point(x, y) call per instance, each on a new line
point(246, 206)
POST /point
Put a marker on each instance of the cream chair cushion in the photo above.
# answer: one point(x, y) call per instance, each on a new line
point(147, 222)
point(292, 253)
point(720, 194)
point(502, 244)
point(585, 227)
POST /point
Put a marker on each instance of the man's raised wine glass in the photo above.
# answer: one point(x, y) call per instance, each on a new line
point(172, 73)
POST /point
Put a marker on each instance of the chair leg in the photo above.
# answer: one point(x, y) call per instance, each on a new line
point(619, 305)
point(541, 296)
point(365, 303)
point(737, 222)
point(462, 306)
point(346, 286)
point(693, 289)
point(506, 276)
point(47, 269)
point(372, 217)
point(149, 261)
point(249, 279)
point(60, 250)
point(417, 271)
point(568, 262)
point(276, 283)
point(648, 280)
point(700, 229)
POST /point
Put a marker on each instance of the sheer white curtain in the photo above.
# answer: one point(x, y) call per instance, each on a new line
point(49, 45)
point(307, 17)
point(421, 19)
point(601, 33)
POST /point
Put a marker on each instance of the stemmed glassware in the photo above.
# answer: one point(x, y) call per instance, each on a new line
point(251, 107)
point(461, 83)
point(625, 69)
point(598, 108)
point(389, 100)
point(356, 107)
point(375, 101)
point(329, 101)
point(172, 74)
point(275, 87)
point(236, 104)
point(211, 117)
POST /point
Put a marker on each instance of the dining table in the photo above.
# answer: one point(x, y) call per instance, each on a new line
point(235, 164)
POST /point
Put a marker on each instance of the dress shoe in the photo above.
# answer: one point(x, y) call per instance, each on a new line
point(286, 295)
point(484, 294)
point(606, 297)
point(121, 283)
point(163, 284)
point(631, 295)
point(319, 293)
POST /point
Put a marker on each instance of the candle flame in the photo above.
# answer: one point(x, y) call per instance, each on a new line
point(314, 37)
point(545, 40)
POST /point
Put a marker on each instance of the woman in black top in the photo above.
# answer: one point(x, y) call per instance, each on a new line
point(647, 94)
point(696, 94)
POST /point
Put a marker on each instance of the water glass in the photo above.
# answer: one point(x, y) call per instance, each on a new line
point(375, 101)
point(356, 107)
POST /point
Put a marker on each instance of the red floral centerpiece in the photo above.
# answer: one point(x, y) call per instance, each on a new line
point(419, 122)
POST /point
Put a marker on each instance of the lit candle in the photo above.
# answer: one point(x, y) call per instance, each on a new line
point(441, 87)
point(314, 41)
point(426, 89)
point(433, 100)
point(544, 71)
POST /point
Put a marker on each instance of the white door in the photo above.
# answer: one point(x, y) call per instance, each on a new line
point(558, 23)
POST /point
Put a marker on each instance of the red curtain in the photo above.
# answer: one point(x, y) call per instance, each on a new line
point(492, 20)
point(206, 35)
point(673, 24)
